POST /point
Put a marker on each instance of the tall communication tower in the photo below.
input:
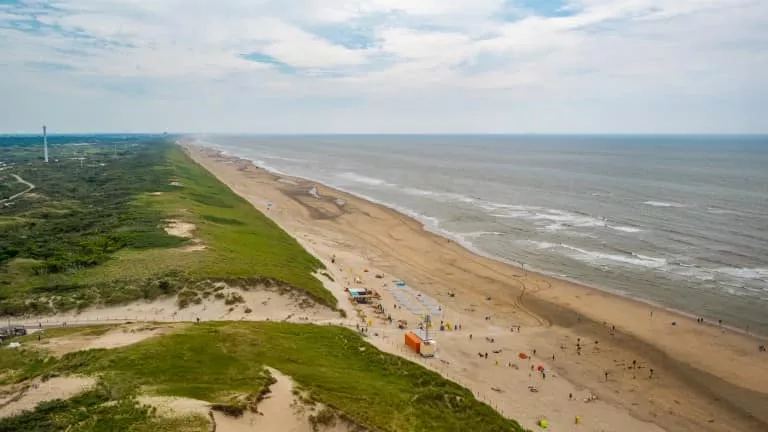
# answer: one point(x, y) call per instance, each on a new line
point(45, 144)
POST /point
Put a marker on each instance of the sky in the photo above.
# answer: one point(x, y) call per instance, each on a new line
point(384, 66)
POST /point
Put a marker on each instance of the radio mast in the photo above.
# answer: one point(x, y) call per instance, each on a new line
point(45, 144)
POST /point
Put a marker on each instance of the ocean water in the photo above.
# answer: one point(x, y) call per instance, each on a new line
point(677, 221)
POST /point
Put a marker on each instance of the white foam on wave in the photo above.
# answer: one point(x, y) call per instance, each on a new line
point(628, 229)
point(476, 234)
point(538, 244)
point(358, 178)
point(744, 273)
point(559, 220)
point(663, 204)
point(594, 257)
point(506, 208)
point(263, 165)
point(438, 196)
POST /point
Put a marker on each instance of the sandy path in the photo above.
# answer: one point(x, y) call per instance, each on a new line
point(697, 385)
point(278, 412)
point(30, 187)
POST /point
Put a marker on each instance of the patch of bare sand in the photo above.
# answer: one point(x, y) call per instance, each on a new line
point(280, 411)
point(170, 406)
point(118, 337)
point(186, 230)
point(26, 396)
point(259, 304)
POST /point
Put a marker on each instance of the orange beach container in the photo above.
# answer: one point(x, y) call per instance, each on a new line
point(413, 341)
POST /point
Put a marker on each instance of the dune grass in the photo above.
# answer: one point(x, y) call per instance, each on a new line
point(332, 365)
point(97, 411)
point(95, 234)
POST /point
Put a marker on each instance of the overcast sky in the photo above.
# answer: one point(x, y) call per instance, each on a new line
point(384, 66)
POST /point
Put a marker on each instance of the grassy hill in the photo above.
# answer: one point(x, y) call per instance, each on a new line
point(220, 360)
point(92, 231)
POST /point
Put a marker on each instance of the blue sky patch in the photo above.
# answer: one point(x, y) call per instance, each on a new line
point(268, 59)
point(546, 8)
point(349, 37)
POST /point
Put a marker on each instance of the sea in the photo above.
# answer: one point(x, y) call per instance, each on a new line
point(676, 221)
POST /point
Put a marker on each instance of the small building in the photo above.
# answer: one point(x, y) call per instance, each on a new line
point(418, 341)
point(361, 295)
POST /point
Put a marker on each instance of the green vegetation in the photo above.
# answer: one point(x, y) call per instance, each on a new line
point(223, 362)
point(97, 410)
point(93, 230)
point(9, 186)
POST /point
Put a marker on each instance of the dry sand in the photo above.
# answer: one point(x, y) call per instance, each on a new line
point(260, 304)
point(186, 230)
point(115, 338)
point(26, 396)
point(280, 411)
point(705, 379)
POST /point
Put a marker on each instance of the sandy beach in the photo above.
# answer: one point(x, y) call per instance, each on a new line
point(704, 378)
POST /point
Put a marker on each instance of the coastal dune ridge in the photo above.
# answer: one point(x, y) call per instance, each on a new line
point(718, 373)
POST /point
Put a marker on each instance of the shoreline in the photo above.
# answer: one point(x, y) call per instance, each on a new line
point(523, 296)
point(759, 337)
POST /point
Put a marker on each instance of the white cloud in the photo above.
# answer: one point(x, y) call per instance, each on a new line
point(600, 56)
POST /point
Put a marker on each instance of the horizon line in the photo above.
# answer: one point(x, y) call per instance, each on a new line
point(527, 134)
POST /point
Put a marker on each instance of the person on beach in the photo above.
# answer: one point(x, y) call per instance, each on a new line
point(606, 376)
point(651, 374)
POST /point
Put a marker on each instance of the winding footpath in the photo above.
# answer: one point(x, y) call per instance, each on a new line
point(30, 187)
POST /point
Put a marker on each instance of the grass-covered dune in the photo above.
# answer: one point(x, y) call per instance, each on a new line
point(218, 361)
point(92, 230)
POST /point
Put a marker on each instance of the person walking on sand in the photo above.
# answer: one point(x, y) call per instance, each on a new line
point(606, 376)
point(651, 374)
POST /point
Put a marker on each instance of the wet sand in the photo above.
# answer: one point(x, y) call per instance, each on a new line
point(705, 378)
